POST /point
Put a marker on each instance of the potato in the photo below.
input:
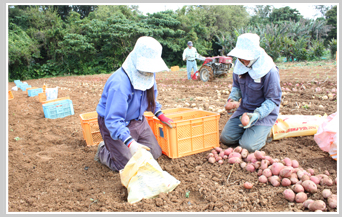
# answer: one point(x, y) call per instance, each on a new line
point(234, 154)
point(332, 201)
point(301, 197)
point(285, 172)
point(326, 193)
point(249, 157)
point(305, 177)
point(285, 182)
point(231, 105)
point(326, 181)
point(214, 151)
point(244, 119)
point(248, 185)
point(270, 159)
point(287, 161)
point(258, 155)
point(321, 176)
point(295, 164)
point(249, 167)
point(264, 164)
point(244, 153)
point(262, 179)
point(210, 155)
point(274, 180)
point(259, 172)
point(317, 205)
point(238, 149)
point(336, 181)
point(276, 167)
point(220, 161)
point(211, 160)
point(228, 151)
point(289, 195)
point(307, 203)
point(267, 172)
point(221, 153)
point(309, 186)
point(298, 188)
point(326, 172)
point(225, 157)
point(300, 174)
point(311, 171)
point(315, 179)
point(257, 164)
point(243, 164)
point(218, 149)
point(294, 180)
point(234, 160)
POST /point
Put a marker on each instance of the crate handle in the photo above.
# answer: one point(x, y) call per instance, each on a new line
point(197, 124)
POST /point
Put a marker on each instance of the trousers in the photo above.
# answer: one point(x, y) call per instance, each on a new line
point(252, 138)
point(115, 154)
point(189, 66)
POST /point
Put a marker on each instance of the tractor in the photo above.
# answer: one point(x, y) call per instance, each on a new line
point(214, 67)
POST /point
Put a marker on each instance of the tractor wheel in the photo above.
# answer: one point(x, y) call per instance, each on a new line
point(206, 73)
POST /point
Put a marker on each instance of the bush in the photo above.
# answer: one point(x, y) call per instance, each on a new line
point(316, 50)
point(333, 48)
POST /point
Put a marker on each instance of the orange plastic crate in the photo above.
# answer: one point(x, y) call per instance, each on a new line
point(42, 97)
point(54, 100)
point(10, 95)
point(90, 128)
point(150, 116)
point(192, 132)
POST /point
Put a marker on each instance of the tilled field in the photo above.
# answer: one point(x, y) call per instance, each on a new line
point(51, 169)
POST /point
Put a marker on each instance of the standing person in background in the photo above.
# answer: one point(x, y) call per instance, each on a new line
point(128, 93)
point(256, 82)
point(189, 55)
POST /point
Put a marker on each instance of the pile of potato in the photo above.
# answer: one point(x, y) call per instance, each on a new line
point(285, 172)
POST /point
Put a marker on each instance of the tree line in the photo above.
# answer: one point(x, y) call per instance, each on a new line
point(57, 40)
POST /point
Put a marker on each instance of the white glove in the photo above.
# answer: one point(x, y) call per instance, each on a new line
point(134, 146)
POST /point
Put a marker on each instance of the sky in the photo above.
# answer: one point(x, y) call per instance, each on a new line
point(305, 9)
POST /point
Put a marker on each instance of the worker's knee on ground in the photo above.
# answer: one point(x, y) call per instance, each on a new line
point(251, 145)
point(156, 152)
point(227, 139)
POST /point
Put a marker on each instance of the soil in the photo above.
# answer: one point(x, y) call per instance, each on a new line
point(51, 168)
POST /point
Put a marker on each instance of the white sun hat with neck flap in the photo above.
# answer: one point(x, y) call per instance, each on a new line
point(248, 48)
point(143, 61)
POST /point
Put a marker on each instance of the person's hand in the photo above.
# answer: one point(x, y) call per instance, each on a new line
point(231, 106)
point(165, 120)
point(134, 146)
point(253, 117)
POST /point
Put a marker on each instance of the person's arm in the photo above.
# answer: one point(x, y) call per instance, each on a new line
point(115, 112)
point(235, 93)
point(158, 113)
point(184, 54)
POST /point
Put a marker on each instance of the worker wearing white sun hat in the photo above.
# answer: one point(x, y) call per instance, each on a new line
point(256, 82)
point(127, 94)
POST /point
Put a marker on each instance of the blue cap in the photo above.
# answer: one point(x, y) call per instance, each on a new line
point(190, 43)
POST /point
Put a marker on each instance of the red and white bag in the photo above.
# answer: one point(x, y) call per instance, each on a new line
point(326, 136)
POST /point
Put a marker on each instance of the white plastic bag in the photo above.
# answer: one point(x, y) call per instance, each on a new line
point(51, 93)
point(144, 178)
point(15, 88)
point(326, 136)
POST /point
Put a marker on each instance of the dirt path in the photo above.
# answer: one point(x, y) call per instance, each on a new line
point(52, 170)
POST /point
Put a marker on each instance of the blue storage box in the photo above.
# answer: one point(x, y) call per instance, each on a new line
point(23, 87)
point(17, 82)
point(34, 92)
point(58, 109)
